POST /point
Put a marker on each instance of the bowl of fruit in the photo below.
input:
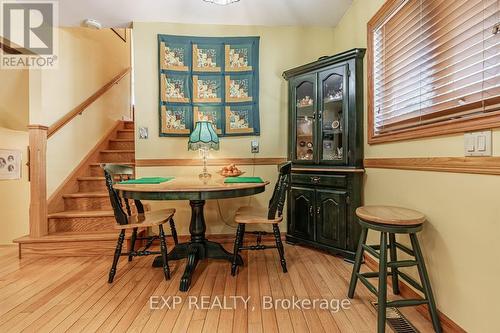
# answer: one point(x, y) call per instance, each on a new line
point(230, 170)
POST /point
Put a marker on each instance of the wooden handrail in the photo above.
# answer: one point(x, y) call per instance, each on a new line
point(85, 104)
point(12, 48)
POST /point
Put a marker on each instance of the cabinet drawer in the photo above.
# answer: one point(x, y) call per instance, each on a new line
point(312, 179)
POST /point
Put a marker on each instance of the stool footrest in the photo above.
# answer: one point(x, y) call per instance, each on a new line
point(372, 249)
point(405, 249)
point(406, 302)
point(402, 263)
point(369, 275)
point(364, 278)
point(411, 281)
point(377, 247)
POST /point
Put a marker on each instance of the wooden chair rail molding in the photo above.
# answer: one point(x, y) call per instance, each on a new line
point(85, 104)
point(217, 161)
point(475, 165)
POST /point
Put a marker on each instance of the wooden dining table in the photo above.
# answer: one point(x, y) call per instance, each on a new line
point(197, 191)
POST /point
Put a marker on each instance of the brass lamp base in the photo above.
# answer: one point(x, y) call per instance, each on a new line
point(205, 176)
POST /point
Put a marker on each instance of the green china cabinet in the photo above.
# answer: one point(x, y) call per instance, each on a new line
point(326, 149)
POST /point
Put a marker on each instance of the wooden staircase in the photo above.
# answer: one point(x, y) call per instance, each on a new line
point(80, 219)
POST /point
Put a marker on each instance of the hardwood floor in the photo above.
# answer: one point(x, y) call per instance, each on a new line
point(72, 295)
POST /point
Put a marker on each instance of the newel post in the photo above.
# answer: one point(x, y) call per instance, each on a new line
point(38, 180)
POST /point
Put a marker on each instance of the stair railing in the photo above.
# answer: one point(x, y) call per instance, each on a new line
point(37, 159)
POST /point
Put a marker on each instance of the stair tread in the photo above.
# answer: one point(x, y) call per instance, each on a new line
point(81, 213)
point(95, 178)
point(121, 163)
point(118, 151)
point(72, 237)
point(91, 178)
point(86, 195)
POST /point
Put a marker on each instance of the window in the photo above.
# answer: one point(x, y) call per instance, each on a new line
point(434, 68)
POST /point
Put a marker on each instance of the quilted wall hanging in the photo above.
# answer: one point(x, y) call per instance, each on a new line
point(209, 78)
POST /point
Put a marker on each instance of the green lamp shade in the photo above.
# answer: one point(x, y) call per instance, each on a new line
point(203, 136)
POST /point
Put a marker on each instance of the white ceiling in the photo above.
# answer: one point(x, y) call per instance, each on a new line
point(119, 13)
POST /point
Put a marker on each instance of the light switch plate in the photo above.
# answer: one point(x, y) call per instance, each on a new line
point(477, 143)
point(254, 146)
point(143, 133)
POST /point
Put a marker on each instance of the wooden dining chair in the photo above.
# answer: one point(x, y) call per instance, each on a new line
point(273, 215)
point(135, 219)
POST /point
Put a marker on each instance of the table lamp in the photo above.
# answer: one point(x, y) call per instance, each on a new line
point(203, 138)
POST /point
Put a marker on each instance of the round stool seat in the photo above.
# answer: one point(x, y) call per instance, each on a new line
point(389, 215)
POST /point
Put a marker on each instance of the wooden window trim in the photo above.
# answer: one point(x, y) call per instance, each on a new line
point(478, 122)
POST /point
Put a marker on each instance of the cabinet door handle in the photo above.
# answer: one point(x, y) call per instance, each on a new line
point(318, 210)
point(311, 210)
point(315, 180)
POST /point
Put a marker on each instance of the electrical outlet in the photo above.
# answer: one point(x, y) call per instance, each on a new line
point(254, 146)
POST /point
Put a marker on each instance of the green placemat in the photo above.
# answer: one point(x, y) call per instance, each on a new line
point(232, 180)
point(147, 180)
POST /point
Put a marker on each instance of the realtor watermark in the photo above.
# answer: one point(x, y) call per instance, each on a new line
point(233, 302)
point(28, 34)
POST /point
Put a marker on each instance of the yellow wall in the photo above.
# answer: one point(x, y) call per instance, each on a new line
point(463, 210)
point(88, 59)
point(281, 48)
point(14, 194)
point(14, 99)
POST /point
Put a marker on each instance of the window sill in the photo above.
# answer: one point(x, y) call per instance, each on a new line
point(479, 122)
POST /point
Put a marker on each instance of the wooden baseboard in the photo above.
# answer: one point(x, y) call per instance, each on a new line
point(449, 326)
point(217, 161)
point(84, 245)
point(67, 249)
point(473, 165)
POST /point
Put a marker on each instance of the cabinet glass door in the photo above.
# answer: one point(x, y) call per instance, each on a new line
point(304, 99)
point(333, 114)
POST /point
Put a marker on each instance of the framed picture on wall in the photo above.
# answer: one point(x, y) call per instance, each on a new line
point(211, 78)
point(10, 164)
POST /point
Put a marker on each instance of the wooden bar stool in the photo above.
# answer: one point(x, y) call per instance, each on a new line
point(390, 221)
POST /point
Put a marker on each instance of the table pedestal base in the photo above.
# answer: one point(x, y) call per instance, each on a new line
point(198, 248)
point(194, 252)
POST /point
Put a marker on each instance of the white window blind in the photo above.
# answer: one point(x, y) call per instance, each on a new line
point(434, 61)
